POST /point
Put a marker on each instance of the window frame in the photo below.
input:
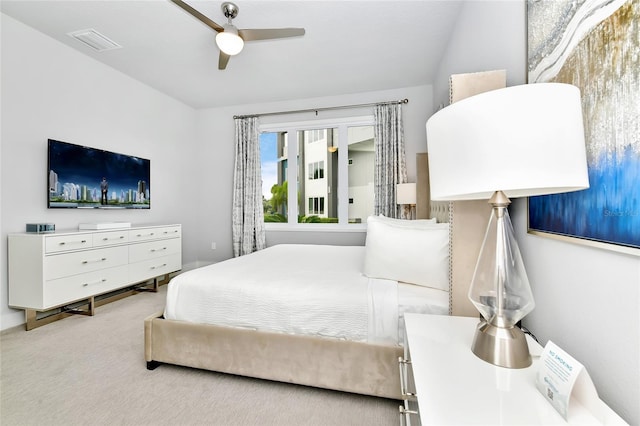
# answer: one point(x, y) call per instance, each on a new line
point(316, 170)
point(292, 128)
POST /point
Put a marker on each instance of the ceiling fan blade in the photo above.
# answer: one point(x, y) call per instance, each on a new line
point(269, 33)
point(199, 15)
point(223, 60)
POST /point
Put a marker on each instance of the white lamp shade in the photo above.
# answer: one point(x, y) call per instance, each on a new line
point(229, 41)
point(406, 193)
point(523, 140)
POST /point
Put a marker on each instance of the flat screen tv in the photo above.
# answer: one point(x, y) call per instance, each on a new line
point(84, 177)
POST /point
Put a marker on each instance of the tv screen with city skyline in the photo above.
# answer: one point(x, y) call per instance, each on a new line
point(84, 177)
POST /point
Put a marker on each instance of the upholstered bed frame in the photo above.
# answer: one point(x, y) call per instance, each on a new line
point(321, 362)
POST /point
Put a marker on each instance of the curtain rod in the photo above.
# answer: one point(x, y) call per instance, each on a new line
point(401, 101)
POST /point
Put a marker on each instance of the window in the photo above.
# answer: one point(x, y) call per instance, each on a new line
point(273, 147)
point(332, 165)
point(316, 135)
point(316, 170)
point(316, 206)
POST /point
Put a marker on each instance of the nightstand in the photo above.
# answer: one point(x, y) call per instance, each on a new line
point(455, 387)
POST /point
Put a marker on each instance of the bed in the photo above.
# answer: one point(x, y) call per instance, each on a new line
point(348, 348)
point(347, 336)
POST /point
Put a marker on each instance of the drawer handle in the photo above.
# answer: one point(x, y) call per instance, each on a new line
point(174, 231)
point(160, 266)
point(84, 262)
point(104, 280)
point(155, 250)
point(145, 235)
point(402, 364)
point(107, 238)
point(62, 243)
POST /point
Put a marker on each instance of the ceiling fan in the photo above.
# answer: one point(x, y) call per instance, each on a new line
point(230, 39)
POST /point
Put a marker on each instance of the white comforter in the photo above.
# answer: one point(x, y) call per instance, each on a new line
point(300, 289)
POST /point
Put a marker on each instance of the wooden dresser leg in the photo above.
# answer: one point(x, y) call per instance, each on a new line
point(91, 308)
point(30, 319)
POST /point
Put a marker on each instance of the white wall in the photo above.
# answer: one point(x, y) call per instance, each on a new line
point(52, 91)
point(216, 151)
point(587, 300)
point(489, 35)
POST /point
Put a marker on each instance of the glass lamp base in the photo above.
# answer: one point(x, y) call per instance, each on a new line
point(504, 347)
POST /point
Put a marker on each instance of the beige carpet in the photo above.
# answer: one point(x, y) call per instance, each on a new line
point(91, 371)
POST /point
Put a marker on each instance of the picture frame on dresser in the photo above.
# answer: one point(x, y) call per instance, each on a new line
point(592, 45)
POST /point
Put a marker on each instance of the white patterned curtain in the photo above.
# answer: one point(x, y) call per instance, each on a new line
point(248, 215)
point(390, 162)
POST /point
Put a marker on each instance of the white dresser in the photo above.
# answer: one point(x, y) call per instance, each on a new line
point(47, 271)
point(454, 387)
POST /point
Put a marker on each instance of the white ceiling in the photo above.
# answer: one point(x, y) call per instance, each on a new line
point(349, 46)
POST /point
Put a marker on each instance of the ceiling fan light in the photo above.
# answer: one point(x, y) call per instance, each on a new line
point(229, 41)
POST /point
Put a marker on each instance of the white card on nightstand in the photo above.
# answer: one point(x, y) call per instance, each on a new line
point(556, 377)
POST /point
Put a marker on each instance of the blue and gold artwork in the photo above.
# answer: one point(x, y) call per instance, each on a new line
point(594, 45)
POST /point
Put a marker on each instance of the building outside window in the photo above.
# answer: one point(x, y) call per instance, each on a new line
point(333, 173)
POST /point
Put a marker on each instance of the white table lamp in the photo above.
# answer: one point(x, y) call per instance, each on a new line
point(406, 195)
point(514, 142)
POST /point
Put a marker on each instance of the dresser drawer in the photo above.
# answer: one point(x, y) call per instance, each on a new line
point(148, 269)
point(65, 290)
point(102, 239)
point(170, 232)
point(143, 234)
point(154, 249)
point(60, 243)
point(155, 233)
point(67, 264)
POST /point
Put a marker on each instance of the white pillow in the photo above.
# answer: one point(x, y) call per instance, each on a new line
point(416, 223)
point(418, 255)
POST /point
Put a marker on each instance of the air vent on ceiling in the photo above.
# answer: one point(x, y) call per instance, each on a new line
point(95, 40)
